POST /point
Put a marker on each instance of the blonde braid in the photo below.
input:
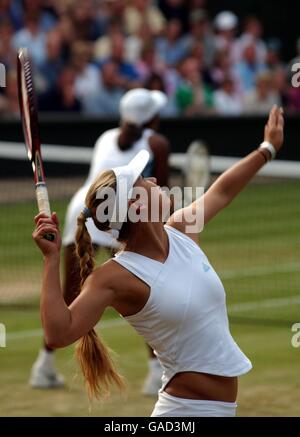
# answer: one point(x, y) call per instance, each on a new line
point(93, 355)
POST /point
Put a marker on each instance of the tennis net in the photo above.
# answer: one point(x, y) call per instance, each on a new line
point(254, 244)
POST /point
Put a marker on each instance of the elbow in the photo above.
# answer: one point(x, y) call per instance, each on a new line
point(56, 341)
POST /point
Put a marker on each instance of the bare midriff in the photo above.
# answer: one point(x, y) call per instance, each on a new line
point(203, 386)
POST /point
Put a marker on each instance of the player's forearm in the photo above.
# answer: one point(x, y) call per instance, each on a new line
point(56, 316)
point(234, 180)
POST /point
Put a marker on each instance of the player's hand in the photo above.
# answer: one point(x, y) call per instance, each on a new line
point(274, 128)
point(47, 225)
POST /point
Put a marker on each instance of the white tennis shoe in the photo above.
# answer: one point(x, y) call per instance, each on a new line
point(153, 380)
point(43, 372)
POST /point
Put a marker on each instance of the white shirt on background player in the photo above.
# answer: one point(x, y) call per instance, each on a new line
point(107, 154)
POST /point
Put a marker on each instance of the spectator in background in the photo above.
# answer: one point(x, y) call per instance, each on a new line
point(143, 11)
point(227, 101)
point(263, 97)
point(7, 51)
point(35, 7)
point(149, 62)
point(223, 68)
point(178, 9)
point(226, 24)
point(32, 37)
point(273, 57)
point(172, 47)
point(200, 32)
point(9, 101)
point(193, 96)
point(61, 98)
point(105, 102)
point(126, 70)
point(85, 24)
point(54, 62)
point(87, 74)
point(66, 29)
point(155, 82)
point(252, 34)
point(12, 12)
point(249, 68)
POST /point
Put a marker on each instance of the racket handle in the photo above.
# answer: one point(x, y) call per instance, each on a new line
point(44, 205)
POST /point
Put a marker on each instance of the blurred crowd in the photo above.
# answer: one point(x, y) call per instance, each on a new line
point(87, 53)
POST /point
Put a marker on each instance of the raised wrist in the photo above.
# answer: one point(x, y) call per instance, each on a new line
point(267, 146)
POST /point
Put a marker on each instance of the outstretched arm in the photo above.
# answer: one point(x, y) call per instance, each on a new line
point(234, 180)
point(64, 325)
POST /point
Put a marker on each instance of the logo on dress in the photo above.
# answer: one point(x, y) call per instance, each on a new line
point(206, 268)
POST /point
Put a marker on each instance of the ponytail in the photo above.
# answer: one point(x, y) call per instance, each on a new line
point(93, 355)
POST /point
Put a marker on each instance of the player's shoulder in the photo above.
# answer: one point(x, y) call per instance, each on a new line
point(159, 140)
point(109, 274)
point(108, 135)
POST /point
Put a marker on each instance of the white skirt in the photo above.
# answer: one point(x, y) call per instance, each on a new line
point(171, 406)
point(75, 207)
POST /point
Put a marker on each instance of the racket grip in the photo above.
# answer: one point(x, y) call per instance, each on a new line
point(44, 205)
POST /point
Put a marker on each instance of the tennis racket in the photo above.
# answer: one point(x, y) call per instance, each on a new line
point(29, 116)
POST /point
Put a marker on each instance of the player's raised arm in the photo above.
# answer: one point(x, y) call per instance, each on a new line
point(234, 180)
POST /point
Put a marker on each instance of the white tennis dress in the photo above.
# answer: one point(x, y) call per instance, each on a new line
point(106, 155)
point(185, 321)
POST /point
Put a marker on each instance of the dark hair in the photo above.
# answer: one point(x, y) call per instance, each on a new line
point(130, 133)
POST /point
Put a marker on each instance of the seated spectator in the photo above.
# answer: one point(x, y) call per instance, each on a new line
point(33, 38)
point(105, 102)
point(7, 51)
point(172, 47)
point(54, 62)
point(149, 62)
point(140, 11)
point(263, 97)
point(155, 82)
point(227, 100)
point(85, 24)
point(11, 11)
point(273, 56)
point(62, 98)
point(252, 33)
point(249, 68)
point(193, 96)
point(125, 70)
point(47, 20)
point(9, 101)
point(200, 32)
point(87, 74)
point(223, 68)
point(178, 9)
point(226, 24)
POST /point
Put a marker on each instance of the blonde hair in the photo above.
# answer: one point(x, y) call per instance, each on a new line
point(94, 357)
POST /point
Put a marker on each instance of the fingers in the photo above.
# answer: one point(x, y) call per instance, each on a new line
point(44, 229)
point(55, 218)
point(273, 116)
point(39, 216)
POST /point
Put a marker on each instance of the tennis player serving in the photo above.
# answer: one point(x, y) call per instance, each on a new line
point(162, 283)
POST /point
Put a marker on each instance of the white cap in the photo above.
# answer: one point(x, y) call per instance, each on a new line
point(126, 177)
point(138, 106)
point(226, 20)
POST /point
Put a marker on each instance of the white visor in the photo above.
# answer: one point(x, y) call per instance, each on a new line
point(139, 106)
point(126, 177)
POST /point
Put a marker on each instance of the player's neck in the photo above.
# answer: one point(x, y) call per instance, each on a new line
point(149, 239)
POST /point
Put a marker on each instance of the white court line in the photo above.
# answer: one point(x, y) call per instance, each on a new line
point(260, 271)
point(106, 324)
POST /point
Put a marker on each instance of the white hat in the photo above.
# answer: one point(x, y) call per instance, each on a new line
point(138, 106)
point(126, 177)
point(226, 20)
